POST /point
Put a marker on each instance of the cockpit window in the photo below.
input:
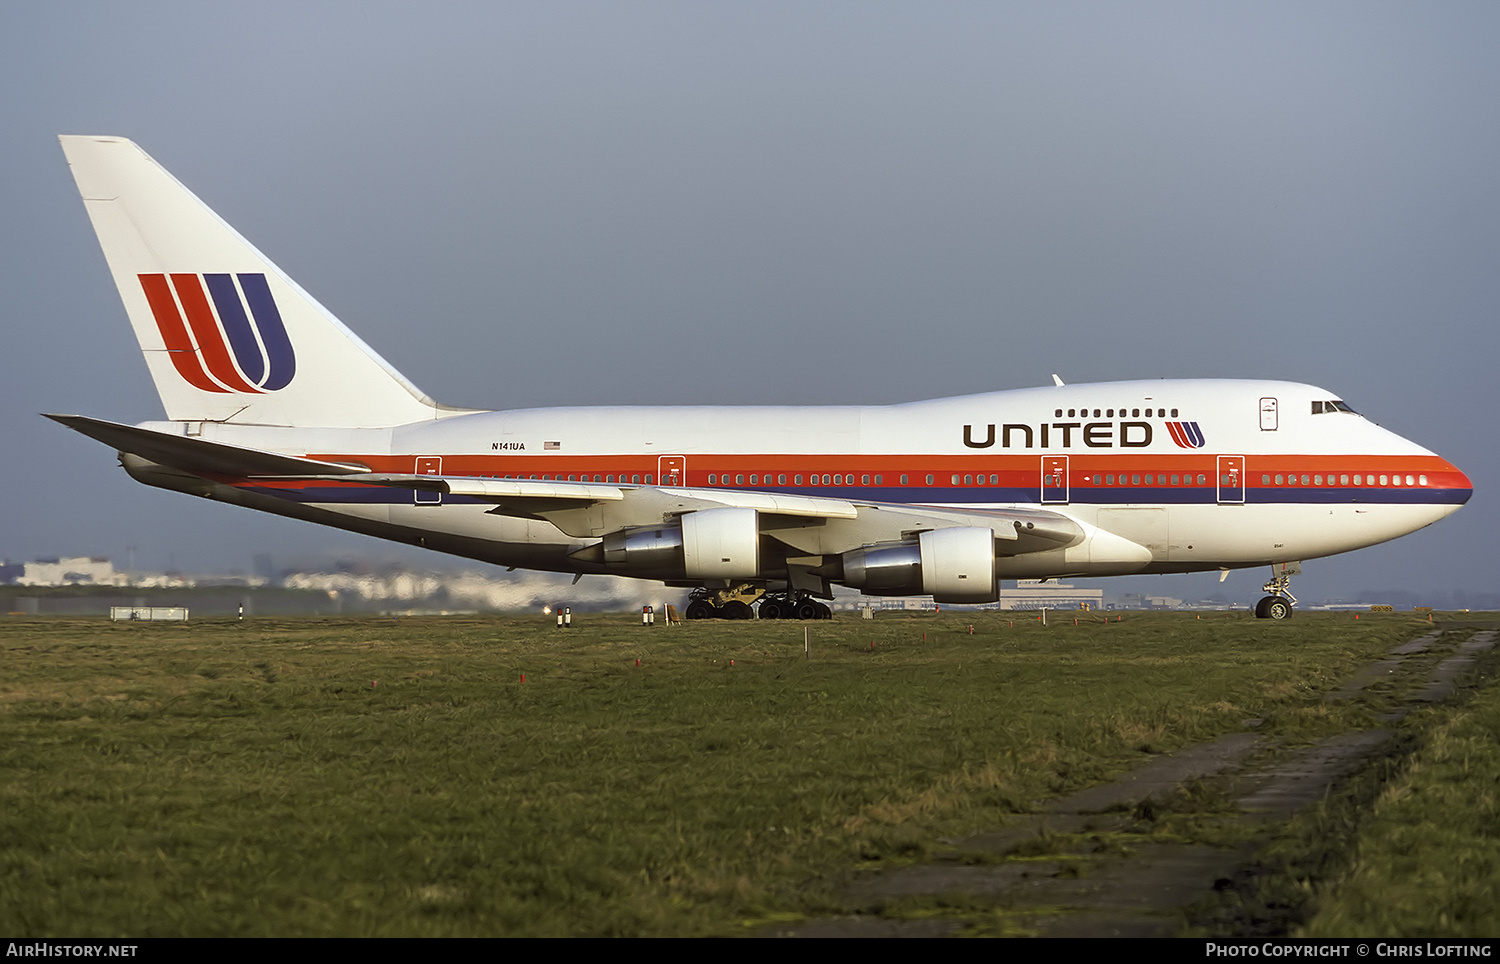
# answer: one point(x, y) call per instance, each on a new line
point(1330, 406)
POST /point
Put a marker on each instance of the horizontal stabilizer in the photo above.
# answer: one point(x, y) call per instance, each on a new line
point(200, 456)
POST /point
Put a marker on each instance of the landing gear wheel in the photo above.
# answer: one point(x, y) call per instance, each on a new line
point(698, 609)
point(770, 609)
point(734, 609)
point(807, 609)
point(824, 612)
point(1278, 605)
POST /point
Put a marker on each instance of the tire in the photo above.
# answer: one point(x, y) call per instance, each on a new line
point(734, 609)
point(824, 612)
point(1260, 607)
point(770, 609)
point(807, 609)
point(1278, 608)
point(698, 609)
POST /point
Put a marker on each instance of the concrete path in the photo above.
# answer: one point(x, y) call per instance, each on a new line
point(1151, 888)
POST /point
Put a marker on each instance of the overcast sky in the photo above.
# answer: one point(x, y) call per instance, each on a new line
point(531, 204)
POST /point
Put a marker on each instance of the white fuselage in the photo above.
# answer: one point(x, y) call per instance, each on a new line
point(1203, 474)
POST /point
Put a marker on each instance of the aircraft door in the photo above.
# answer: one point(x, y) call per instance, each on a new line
point(671, 470)
point(428, 465)
point(1268, 415)
point(1054, 479)
point(1231, 479)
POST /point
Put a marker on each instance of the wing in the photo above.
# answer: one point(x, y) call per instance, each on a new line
point(695, 536)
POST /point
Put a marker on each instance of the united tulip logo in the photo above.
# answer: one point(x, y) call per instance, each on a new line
point(223, 332)
point(1187, 435)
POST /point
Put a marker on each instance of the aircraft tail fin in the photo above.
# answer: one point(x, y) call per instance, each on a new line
point(228, 337)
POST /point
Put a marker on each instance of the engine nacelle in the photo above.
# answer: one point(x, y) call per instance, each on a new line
point(952, 565)
point(721, 544)
point(707, 544)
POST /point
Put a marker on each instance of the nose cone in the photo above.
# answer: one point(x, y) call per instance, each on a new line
point(1461, 483)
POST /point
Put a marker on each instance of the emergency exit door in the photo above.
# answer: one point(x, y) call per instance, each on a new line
point(1054, 479)
point(428, 465)
point(1231, 479)
point(671, 470)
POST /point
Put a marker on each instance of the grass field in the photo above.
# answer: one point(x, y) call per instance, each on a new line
point(494, 776)
point(1426, 860)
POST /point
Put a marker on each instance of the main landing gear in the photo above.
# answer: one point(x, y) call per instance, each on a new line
point(735, 604)
point(1278, 605)
point(789, 606)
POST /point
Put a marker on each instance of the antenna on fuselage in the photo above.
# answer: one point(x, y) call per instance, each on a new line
point(1056, 380)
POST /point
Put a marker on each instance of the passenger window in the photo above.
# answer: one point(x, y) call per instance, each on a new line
point(929, 480)
point(904, 479)
point(955, 480)
point(968, 480)
point(1109, 480)
point(648, 479)
point(1421, 480)
point(781, 480)
point(796, 480)
point(1202, 480)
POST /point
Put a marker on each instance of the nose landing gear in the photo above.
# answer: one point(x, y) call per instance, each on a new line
point(1278, 605)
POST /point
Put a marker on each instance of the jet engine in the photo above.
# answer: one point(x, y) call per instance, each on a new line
point(707, 544)
point(954, 565)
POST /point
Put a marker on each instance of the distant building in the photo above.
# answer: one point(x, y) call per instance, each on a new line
point(1034, 594)
point(93, 571)
point(73, 571)
point(1027, 594)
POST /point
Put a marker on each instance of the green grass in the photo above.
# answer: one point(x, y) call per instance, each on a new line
point(1427, 859)
point(224, 779)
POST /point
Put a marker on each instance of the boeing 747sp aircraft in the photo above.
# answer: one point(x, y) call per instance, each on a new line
point(274, 405)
